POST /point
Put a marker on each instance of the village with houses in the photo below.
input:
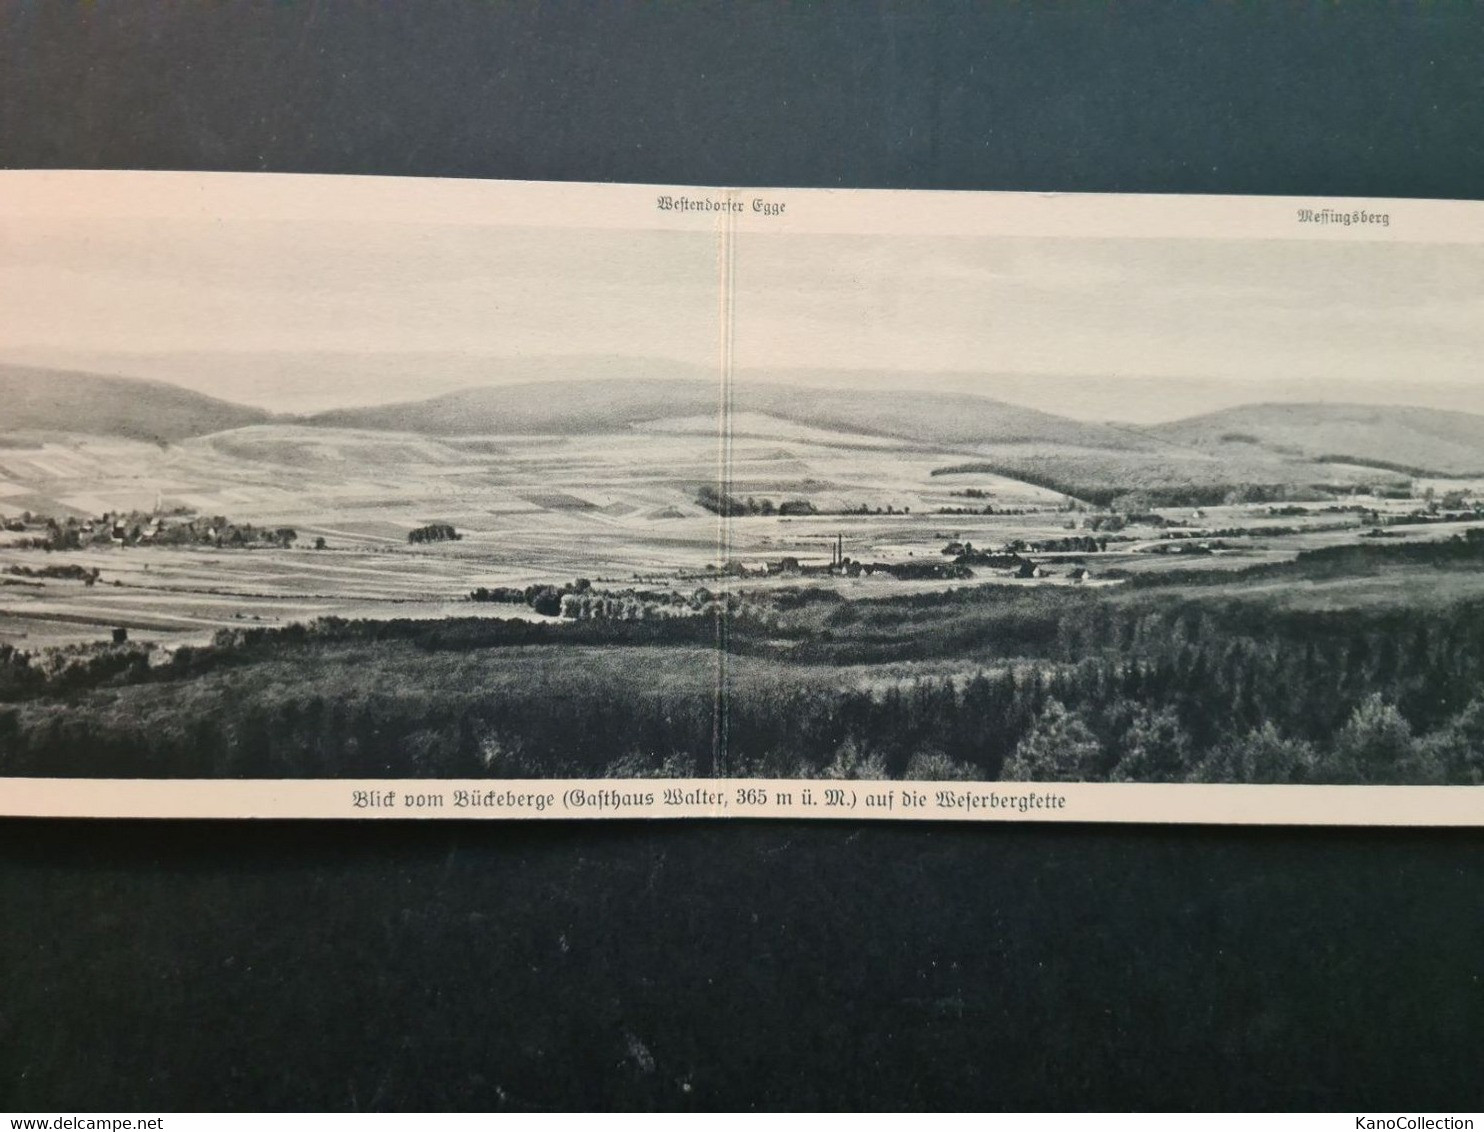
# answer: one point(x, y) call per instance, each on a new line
point(1095, 546)
point(176, 527)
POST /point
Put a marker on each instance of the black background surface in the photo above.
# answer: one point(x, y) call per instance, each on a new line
point(278, 965)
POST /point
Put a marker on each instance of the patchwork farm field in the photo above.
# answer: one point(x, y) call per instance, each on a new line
point(617, 509)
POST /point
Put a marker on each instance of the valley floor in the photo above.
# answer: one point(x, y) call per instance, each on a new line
point(1330, 667)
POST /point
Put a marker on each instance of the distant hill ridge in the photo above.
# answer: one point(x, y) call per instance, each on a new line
point(1399, 438)
point(70, 401)
point(1417, 441)
point(557, 407)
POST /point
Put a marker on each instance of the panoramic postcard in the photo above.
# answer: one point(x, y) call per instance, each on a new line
point(330, 496)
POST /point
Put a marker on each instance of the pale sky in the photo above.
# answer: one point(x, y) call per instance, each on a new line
point(149, 286)
point(301, 312)
point(1256, 316)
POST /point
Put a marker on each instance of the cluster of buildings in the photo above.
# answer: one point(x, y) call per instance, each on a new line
point(964, 559)
point(135, 528)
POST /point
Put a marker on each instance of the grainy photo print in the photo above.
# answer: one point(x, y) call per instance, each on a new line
point(328, 496)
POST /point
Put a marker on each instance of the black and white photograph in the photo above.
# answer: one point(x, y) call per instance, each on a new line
point(357, 478)
point(1022, 462)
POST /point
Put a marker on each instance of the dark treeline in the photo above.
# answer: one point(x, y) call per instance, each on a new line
point(76, 668)
point(434, 532)
point(544, 599)
point(1389, 466)
point(1119, 497)
point(719, 502)
point(72, 572)
point(1349, 560)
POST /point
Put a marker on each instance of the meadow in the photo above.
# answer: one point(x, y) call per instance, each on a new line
point(615, 508)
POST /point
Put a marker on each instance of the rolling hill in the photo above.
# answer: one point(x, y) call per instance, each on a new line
point(49, 400)
point(577, 407)
point(1409, 440)
point(967, 434)
point(831, 444)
